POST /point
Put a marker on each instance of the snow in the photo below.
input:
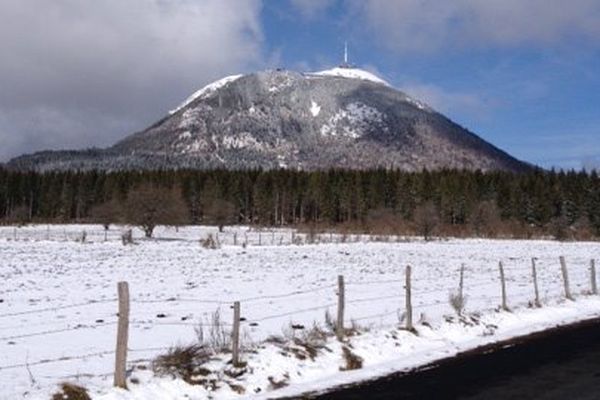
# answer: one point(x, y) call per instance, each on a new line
point(65, 292)
point(185, 135)
point(315, 109)
point(206, 91)
point(352, 73)
point(419, 104)
point(353, 121)
point(240, 140)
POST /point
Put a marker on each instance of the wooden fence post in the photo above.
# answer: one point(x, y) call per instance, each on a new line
point(339, 328)
point(536, 290)
point(503, 284)
point(235, 238)
point(565, 275)
point(593, 276)
point(122, 336)
point(409, 311)
point(235, 335)
point(259, 239)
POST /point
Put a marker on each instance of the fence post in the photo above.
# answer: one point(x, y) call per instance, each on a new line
point(235, 238)
point(503, 284)
point(565, 275)
point(536, 290)
point(235, 335)
point(259, 239)
point(122, 336)
point(339, 328)
point(409, 311)
point(593, 276)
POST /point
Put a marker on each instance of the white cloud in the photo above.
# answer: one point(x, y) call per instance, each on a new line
point(426, 25)
point(99, 68)
point(312, 8)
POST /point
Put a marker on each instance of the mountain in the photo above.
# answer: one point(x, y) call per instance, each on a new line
point(344, 117)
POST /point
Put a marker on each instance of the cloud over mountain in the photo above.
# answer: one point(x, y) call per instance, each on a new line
point(89, 72)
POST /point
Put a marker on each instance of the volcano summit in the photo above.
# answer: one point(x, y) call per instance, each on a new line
point(340, 118)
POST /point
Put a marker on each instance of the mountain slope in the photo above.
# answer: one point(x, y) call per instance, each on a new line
point(344, 117)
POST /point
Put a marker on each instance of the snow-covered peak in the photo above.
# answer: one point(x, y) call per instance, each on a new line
point(352, 73)
point(206, 90)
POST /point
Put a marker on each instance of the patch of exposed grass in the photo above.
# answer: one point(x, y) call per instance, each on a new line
point(352, 360)
point(183, 362)
point(69, 391)
point(279, 383)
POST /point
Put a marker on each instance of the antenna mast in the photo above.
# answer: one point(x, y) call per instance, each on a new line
point(346, 53)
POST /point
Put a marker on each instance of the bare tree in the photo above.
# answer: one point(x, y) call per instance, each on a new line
point(485, 219)
point(19, 216)
point(148, 206)
point(220, 213)
point(385, 221)
point(426, 219)
point(106, 214)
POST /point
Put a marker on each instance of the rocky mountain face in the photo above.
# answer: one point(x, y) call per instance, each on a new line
point(346, 118)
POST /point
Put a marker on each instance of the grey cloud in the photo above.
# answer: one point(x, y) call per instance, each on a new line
point(427, 25)
point(82, 73)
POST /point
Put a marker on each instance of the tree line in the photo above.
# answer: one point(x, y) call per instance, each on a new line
point(564, 205)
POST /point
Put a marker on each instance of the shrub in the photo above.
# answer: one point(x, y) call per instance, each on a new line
point(127, 237)
point(210, 242)
point(329, 322)
point(219, 338)
point(458, 302)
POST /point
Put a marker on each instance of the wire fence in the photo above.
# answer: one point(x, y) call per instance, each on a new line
point(232, 236)
point(388, 301)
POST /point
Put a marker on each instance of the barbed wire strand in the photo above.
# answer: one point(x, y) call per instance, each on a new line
point(55, 331)
point(56, 360)
point(57, 308)
point(295, 312)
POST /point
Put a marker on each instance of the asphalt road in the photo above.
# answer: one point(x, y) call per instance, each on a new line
point(561, 365)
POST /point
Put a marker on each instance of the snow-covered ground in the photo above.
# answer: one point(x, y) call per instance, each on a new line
point(58, 304)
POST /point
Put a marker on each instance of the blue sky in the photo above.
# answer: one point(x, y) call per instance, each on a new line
point(522, 74)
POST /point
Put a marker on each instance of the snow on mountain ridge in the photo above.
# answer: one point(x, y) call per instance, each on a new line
point(208, 89)
point(352, 73)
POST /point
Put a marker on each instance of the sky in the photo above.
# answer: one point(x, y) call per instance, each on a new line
point(522, 74)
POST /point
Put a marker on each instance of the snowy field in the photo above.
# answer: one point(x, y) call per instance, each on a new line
point(58, 303)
